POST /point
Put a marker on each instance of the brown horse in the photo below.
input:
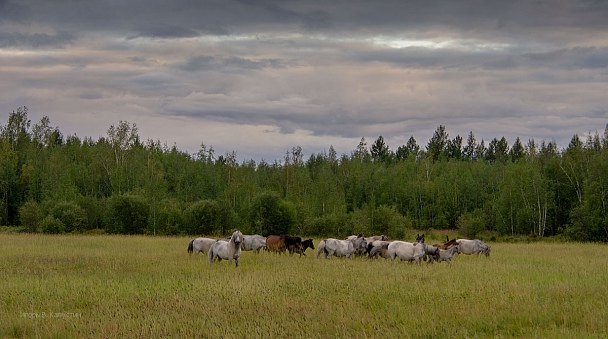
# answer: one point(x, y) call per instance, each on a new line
point(275, 243)
point(448, 243)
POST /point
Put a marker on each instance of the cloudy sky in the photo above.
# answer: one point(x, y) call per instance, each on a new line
point(261, 77)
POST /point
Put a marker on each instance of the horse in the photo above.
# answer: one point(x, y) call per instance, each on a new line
point(475, 246)
point(293, 244)
point(340, 248)
point(448, 243)
point(275, 243)
point(378, 248)
point(308, 243)
point(409, 251)
point(253, 243)
point(227, 250)
point(374, 246)
point(445, 255)
point(198, 245)
point(376, 238)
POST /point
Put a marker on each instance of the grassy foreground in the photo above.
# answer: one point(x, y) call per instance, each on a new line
point(136, 286)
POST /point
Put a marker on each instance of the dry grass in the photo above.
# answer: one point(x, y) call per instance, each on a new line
point(122, 286)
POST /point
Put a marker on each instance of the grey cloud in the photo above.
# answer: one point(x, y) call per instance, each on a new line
point(164, 31)
point(158, 84)
point(35, 40)
point(205, 63)
point(13, 11)
point(316, 71)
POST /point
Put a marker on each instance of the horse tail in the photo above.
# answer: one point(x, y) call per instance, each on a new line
point(211, 255)
point(191, 246)
point(321, 247)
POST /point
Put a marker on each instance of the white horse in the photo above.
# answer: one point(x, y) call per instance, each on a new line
point(409, 251)
point(340, 248)
point(227, 250)
point(446, 255)
point(198, 245)
point(253, 243)
point(475, 246)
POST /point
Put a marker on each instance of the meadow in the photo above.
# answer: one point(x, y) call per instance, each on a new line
point(74, 286)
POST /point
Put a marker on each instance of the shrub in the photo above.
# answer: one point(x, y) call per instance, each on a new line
point(71, 215)
point(31, 215)
point(127, 214)
point(470, 224)
point(270, 214)
point(52, 225)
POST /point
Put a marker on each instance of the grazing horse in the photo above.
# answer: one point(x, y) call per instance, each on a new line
point(198, 245)
point(409, 251)
point(475, 246)
point(253, 243)
point(227, 250)
point(340, 248)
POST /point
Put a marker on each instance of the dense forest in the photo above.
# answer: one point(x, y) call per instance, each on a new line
point(118, 184)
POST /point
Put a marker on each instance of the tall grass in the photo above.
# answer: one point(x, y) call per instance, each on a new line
point(136, 286)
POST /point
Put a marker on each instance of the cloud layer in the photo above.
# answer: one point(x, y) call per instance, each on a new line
point(261, 77)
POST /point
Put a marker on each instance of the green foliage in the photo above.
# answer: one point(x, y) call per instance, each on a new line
point(31, 215)
point(124, 186)
point(127, 214)
point(52, 225)
point(471, 224)
point(169, 219)
point(271, 215)
point(71, 215)
point(207, 217)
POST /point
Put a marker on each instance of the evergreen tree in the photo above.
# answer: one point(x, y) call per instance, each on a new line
point(438, 143)
point(380, 151)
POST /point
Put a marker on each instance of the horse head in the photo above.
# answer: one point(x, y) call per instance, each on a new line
point(420, 238)
point(237, 238)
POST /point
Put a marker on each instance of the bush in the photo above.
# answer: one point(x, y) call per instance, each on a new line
point(170, 219)
point(31, 215)
point(52, 225)
point(208, 217)
point(470, 224)
point(127, 214)
point(270, 214)
point(71, 215)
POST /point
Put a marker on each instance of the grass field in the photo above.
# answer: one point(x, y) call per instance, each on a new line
point(136, 286)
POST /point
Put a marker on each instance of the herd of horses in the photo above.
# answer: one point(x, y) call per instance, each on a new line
point(354, 245)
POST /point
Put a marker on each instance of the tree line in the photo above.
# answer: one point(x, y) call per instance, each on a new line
point(118, 184)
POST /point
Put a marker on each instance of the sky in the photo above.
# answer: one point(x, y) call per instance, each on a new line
point(262, 77)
